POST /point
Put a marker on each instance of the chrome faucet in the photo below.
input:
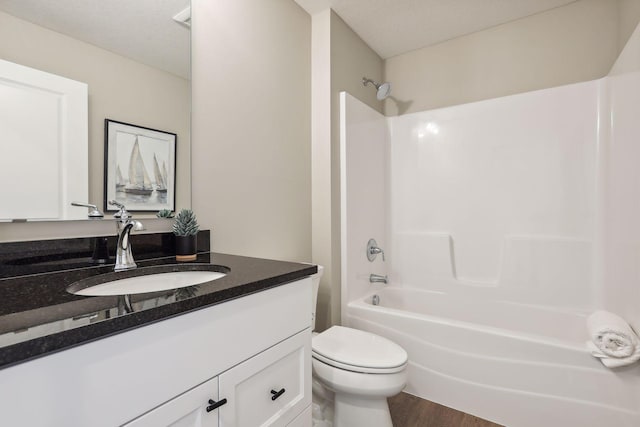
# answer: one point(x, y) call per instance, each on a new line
point(377, 278)
point(124, 257)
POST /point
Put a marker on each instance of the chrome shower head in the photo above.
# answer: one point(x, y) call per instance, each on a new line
point(384, 89)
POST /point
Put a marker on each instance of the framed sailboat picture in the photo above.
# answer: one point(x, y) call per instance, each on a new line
point(139, 167)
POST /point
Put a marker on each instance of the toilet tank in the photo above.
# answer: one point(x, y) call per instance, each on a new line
point(315, 280)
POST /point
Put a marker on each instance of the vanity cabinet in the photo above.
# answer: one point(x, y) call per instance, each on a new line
point(270, 389)
point(246, 350)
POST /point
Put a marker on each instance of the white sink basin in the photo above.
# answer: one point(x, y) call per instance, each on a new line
point(150, 283)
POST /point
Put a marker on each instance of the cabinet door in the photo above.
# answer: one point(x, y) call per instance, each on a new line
point(270, 389)
point(303, 420)
point(191, 409)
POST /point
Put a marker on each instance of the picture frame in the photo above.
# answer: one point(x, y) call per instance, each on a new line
point(139, 167)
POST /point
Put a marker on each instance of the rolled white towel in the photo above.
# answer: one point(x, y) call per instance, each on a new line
point(611, 335)
point(613, 362)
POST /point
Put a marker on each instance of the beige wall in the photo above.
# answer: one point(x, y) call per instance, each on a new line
point(629, 59)
point(351, 60)
point(574, 43)
point(322, 239)
point(251, 70)
point(628, 18)
point(120, 89)
point(340, 60)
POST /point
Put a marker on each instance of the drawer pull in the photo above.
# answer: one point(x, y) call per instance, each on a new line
point(276, 394)
point(215, 405)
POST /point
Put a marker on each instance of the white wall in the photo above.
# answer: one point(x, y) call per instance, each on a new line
point(493, 200)
point(120, 89)
point(497, 198)
point(621, 182)
point(574, 43)
point(251, 176)
point(364, 162)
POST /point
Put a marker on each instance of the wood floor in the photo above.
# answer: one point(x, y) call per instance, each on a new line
point(410, 411)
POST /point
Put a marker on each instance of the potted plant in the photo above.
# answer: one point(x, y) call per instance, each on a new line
point(185, 228)
point(164, 213)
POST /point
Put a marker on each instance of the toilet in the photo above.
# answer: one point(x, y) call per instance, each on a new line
point(358, 369)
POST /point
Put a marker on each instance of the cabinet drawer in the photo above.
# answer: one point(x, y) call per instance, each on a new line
point(270, 389)
point(187, 410)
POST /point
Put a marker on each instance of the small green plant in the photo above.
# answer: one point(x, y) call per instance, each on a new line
point(186, 223)
point(164, 213)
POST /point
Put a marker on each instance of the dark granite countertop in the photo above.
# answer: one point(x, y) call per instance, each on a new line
point(38, 316)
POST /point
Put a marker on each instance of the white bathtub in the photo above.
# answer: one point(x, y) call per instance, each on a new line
point(514, 364)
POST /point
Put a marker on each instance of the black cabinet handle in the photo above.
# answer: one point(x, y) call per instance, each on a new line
point(215, 405)
point(276, 394)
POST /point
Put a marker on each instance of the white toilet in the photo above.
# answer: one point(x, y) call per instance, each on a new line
point(360, 368)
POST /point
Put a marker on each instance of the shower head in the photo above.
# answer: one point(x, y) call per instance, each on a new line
point(384, 89)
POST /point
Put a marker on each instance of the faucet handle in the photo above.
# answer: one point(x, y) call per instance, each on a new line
point(122, 213)
point(93, 209)
point(373, 250)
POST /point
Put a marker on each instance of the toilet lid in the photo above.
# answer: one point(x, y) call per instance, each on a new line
point(359, 351)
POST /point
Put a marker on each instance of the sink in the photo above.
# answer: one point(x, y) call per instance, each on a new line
point(146, 280)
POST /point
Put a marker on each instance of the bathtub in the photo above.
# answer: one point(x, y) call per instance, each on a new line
point(514, 364)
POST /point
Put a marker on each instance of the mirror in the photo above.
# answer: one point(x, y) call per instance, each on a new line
point(134, 57)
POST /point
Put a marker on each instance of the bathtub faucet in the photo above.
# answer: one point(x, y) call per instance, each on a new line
point(377, 278)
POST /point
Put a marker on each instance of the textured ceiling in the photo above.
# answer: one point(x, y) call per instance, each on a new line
point(143, 30)
point(393, 27)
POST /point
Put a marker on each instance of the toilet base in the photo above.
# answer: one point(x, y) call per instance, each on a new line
point(358, 411)
point(360, 400)
point(348, 410)
point(322, 405)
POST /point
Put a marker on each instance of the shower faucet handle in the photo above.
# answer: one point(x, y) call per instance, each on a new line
point(373, 250)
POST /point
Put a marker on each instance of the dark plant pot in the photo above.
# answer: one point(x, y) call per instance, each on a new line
point(186, 248)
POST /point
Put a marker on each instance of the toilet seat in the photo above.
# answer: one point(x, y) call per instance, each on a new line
point(358, 351)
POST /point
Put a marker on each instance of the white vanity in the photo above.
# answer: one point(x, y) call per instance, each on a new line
point(253, 351)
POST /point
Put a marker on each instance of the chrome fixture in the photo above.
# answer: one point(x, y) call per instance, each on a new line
point(93, 209)
point(373, 250)
point(124, 305)
point(384, 89)
point(375, 300)
point(124, 257)
point(376, 278)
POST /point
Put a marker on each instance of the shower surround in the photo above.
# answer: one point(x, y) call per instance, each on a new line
point(505, 223)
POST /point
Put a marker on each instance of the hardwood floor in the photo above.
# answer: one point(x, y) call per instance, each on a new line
point(410, 411)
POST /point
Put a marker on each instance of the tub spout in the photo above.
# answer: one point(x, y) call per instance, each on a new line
point(376, 278)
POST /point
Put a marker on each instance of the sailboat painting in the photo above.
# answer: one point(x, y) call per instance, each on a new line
point(139, 167)
point(119, 179)
point(161, 176)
